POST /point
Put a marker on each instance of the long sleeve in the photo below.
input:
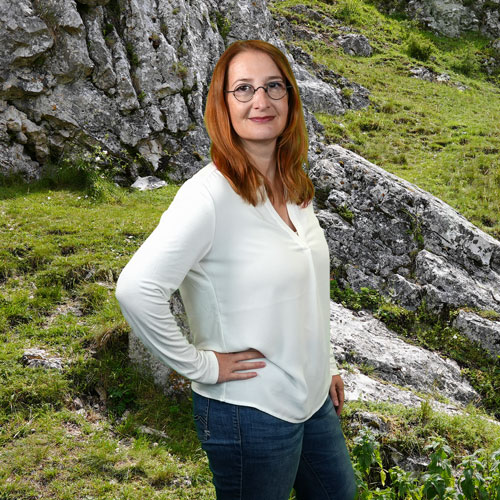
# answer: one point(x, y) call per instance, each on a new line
point(182, 238)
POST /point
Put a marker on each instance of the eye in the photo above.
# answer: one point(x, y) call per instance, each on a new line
point(276, 85)
point(243, 88)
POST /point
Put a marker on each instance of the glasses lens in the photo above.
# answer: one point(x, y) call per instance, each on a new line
point(244, 93)
point(276, 90)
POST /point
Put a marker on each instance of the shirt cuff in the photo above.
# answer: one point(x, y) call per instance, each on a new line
point(212, 374)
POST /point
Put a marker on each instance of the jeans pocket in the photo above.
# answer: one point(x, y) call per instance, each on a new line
point(201, 406)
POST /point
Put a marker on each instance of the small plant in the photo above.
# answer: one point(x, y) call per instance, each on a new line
point(347, 92)
point(345, 213)
point(477, 477)
point(107, 29)
point(466, 63)
point(132, 55)
point(223, 25)
point(94, 170)
point(348, 11)
point(419, 48)
point(180, 69)
point(366, 453)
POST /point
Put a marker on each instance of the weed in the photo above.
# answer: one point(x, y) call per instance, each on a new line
point(180, 70)
point(476, 477)
point(349, 11)
point(223, 25)
point(132, 55)
point(419, 48)
point(345, 213)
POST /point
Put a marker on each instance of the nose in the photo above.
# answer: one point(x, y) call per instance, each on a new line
point(260, 99)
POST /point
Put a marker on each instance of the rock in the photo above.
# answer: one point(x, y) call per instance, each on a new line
point(133, 81)
point(455, 17)
point(93, 3)
point(360, 387)
point(152, 432)
point(39, 358)
point(481, 330)
point(371, 421)
point(148, 183)
point(139, 355)
point(176, 113)
point(365, 341)
point(387, 234)
point(355, 45)
point(324, 91)
point(24, 36)
point(430, 76)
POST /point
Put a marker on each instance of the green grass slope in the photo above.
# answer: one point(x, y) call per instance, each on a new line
point(79, 433)
point(444, 139)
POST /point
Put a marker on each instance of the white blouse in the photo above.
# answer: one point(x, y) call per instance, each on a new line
point(247, 281)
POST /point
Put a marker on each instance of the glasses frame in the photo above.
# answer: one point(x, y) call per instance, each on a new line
point(266, 90)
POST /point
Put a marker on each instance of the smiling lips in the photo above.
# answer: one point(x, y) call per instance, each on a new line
point(262, 119)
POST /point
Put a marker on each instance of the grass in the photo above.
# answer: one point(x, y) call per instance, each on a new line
point(445, 140)
point(64, 255)
point(76, 433)
point(61, 260)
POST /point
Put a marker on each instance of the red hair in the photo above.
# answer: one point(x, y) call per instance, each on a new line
point(227, 151)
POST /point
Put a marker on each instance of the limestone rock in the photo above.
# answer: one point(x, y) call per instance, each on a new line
point(360, 387)
point(39, 358)
point(129, 76)
point(355, 45)
point(23, 35)
point(455, 17)
point(387, 234)
point(139, 355)
point(148, 183)
point(481, 330)
point(365, 341)
point(430, 76)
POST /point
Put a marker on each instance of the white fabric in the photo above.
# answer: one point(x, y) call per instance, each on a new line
point(247, 280)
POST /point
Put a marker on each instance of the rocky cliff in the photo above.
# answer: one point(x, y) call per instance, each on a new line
point(128, 76)
point(451, 17)
point(132, 77)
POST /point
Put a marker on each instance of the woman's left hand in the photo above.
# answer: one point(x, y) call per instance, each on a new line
point(337, 393)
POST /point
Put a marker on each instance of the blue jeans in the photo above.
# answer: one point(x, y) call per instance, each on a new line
point(255, 456)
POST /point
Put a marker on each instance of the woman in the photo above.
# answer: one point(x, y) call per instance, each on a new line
point(241, 242)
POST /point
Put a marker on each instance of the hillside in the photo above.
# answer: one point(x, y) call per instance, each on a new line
point(442, 136)
point(99, 429)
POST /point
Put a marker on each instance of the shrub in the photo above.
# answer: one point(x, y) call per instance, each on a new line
point(419, 48)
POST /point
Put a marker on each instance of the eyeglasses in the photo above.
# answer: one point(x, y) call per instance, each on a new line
point(245, 92)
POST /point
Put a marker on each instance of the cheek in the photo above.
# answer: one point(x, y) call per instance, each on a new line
point(234, 114)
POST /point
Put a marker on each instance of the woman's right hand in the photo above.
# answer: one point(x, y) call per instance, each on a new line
point(231, 364)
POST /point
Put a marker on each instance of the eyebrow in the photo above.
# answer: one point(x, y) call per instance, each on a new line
point(250, 80)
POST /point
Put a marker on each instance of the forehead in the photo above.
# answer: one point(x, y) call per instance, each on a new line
point(252, 66)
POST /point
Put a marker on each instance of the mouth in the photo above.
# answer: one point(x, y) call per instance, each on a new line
point(262, 119)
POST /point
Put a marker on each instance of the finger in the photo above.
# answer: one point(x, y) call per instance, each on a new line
point(241, 376)
point(340, 392)
point(245, 365)
point(333, 395)
point(244, 355)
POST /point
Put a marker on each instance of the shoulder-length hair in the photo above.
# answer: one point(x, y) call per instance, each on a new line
point(226, 149)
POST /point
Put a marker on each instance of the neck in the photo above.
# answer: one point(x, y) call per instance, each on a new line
point(263, 156)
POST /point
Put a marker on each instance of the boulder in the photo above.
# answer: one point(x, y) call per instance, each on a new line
point(40, 358)
point(132, 80)
point(484, 331)
point(355, 45)
point(455, 17)
point(362, 340)
point(387, 234)
point(148, 183)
